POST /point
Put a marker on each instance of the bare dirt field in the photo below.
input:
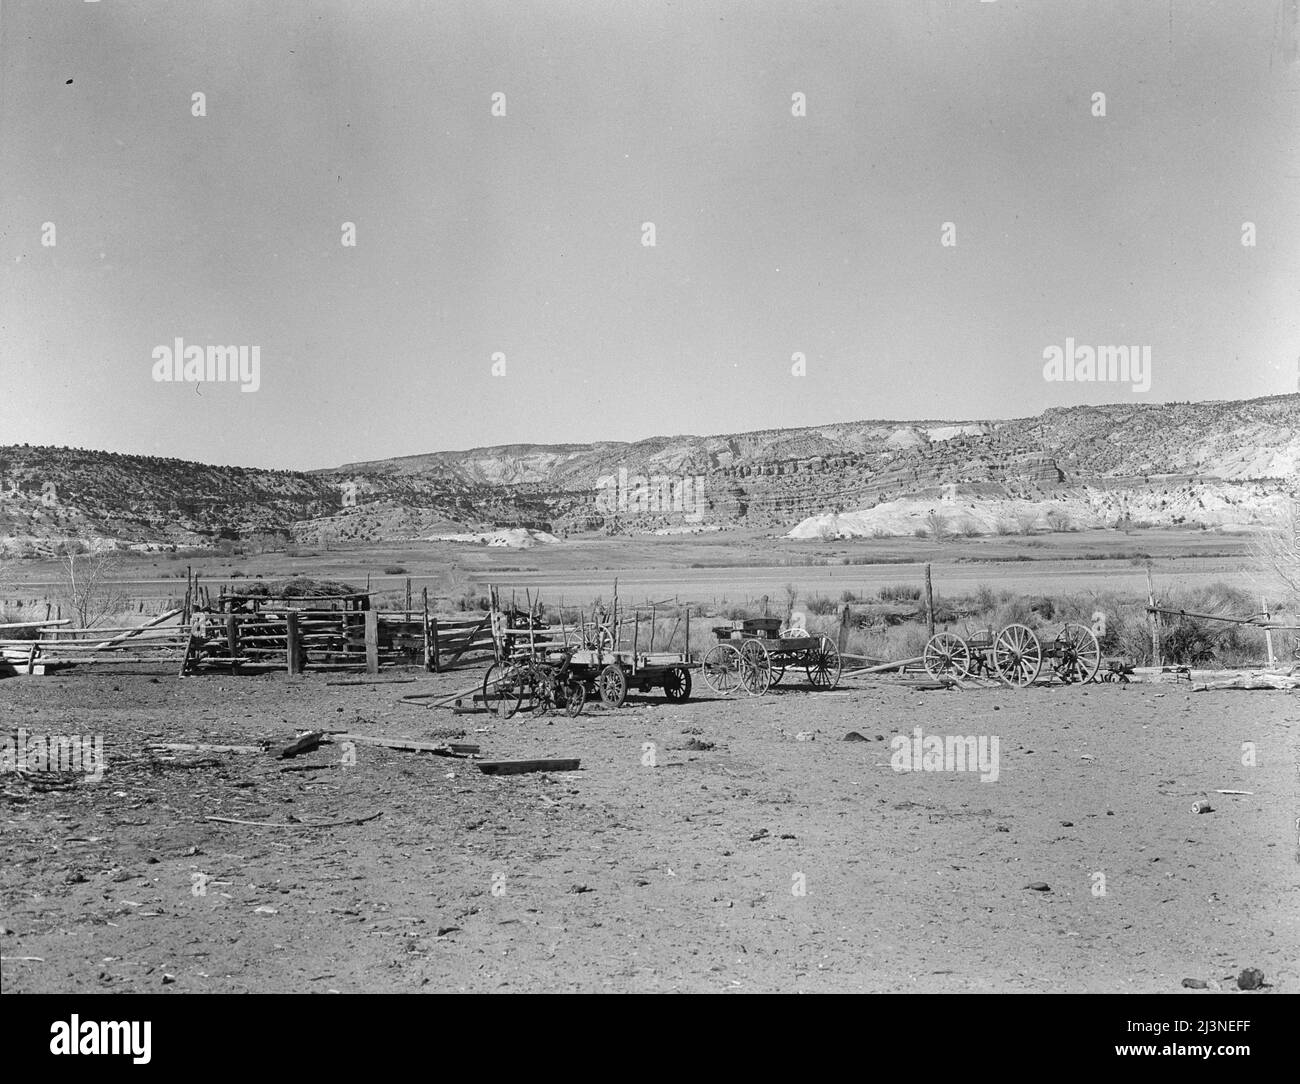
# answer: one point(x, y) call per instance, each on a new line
point(682, 876)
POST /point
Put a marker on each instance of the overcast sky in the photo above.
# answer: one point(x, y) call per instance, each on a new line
point(523, 234)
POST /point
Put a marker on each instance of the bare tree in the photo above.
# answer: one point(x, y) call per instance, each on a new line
point(936, 524)
point(89, 587)
point(1277, 554)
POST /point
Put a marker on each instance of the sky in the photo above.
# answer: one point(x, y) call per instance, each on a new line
point(802, 164)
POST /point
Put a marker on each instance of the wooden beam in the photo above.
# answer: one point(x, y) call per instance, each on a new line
point(410, 745)
point(372, 642)
point(518, 767)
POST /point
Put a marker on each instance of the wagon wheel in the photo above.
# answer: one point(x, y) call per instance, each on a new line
point(721, 669)
point(611, 683)
point(1017, 655)
point(755, 667)
point(1078, 655)
point(778, 672)
point(597, 637)
point(824, 664)
point(575, 696)
point(507, 693)
point(677, 683)
point(947, 653)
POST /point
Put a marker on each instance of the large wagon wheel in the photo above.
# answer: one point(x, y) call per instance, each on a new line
point(1078, 655)
point(755, 667)
point(611, 683)
point(503, 689)
point(823, 664)
point(721, 669)
point(1017, 655)
point(946, 653)
point(677, 683)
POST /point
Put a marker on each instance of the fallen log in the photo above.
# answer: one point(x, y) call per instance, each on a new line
point(1254, 681)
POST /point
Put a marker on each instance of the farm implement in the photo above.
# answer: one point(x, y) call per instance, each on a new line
point(1015, 655)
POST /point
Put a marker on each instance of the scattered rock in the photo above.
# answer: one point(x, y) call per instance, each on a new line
point(1195, 984)
point(75, 877)
point(1002, 828)
point(1067, 824)
point(762, 833)
point(443, 931)
point(805, 735)
point(1039, 886)
point(1203, 806)
point(264, 910)
point(698, 745)
point(168, 979)
point(578, 889)
point(853, 735)
point(1252, 978)
point(692, 730)
point(121, 875)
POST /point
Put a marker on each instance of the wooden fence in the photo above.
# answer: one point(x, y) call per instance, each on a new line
point(281, 639)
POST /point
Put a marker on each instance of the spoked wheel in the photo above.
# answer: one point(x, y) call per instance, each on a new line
point(611, 683)
point(721, 669)
point(503, 689)
point(1017, 655)
point(778, 672)
point(597, 637)
point(677, 683)
point(1078, 655)
point(755, 667)
point(575, 696)
point(946, 653)
point(824, 664)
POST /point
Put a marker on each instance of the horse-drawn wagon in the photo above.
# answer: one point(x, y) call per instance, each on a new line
point(753, 654)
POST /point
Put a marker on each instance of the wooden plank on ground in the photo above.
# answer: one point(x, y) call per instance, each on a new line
point(303, 743)
point(411, 745)
point(180, 747)
point(518, 767)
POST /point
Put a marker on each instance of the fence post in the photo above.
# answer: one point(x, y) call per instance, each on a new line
point(1268, 634)
point(1154, 619)
point(842, 641)
point(424, 599)
point(232, 641)
point(291, 642)
point(929, 602)
point(372, 641)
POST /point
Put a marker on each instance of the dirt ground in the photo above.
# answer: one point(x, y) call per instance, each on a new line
point(764, 863)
